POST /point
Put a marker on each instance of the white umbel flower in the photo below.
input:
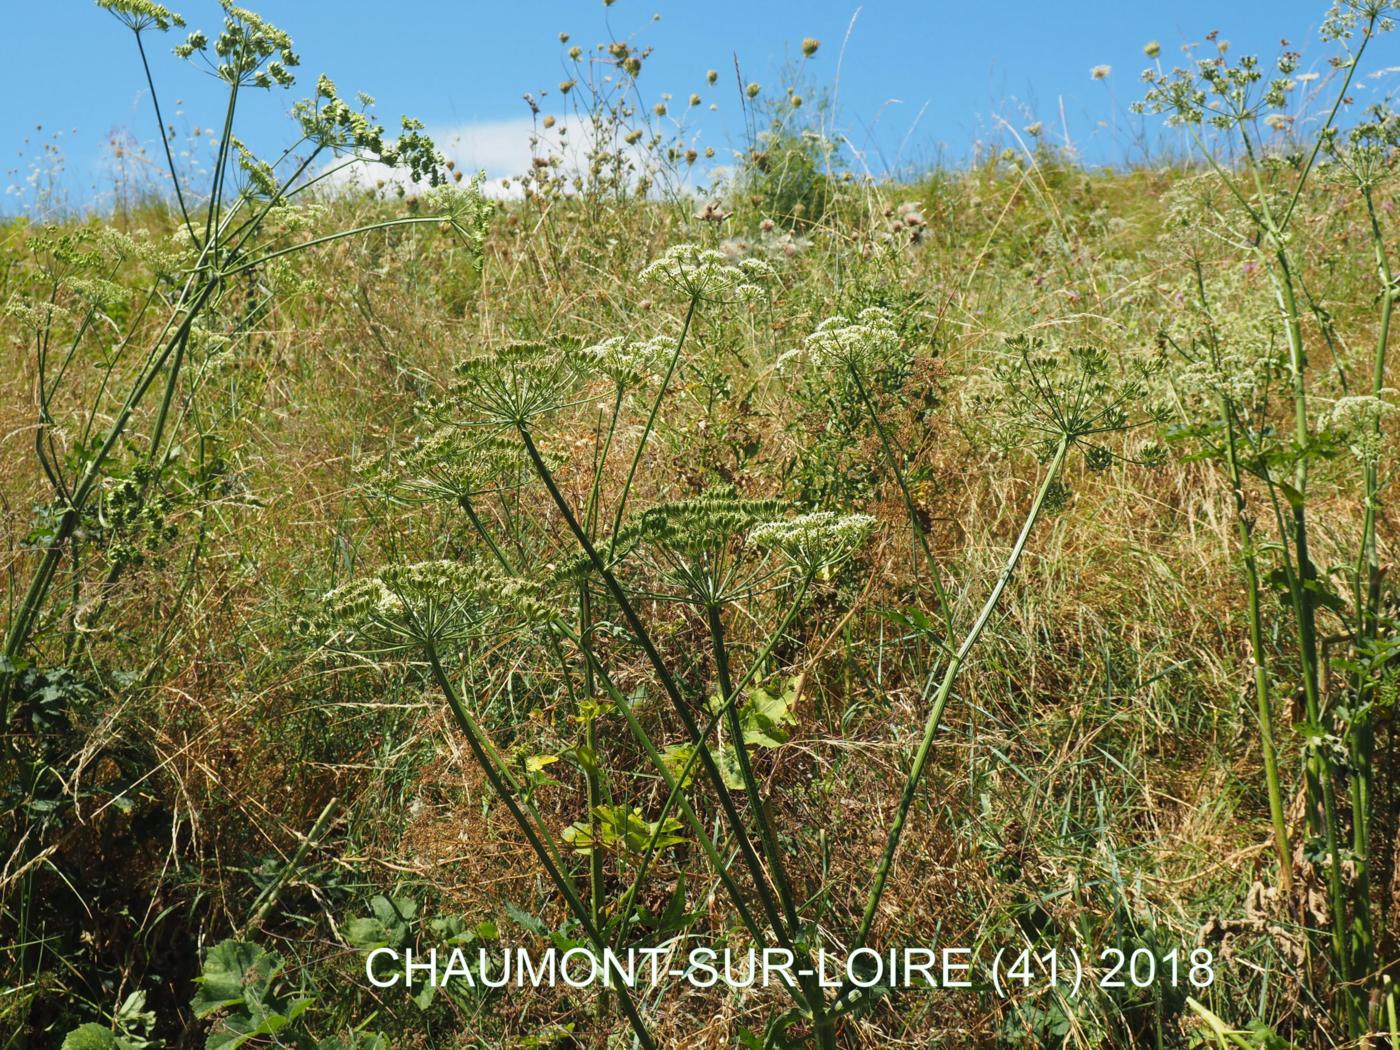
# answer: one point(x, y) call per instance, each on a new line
point(814, 542)
point(707, 275)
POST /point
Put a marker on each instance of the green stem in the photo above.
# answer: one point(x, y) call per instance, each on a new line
point(22, 624)
point(1306, 615)
point(676, 798)
point(415, 220)
point(919, 533)
point(501, 783)
point(164, 139)
point(940, 700)
point(591, 763)
point(268, 898)
point(729, 702)
point(651, 422)
point(729, 699)
point(1245, 528)
point(668, 684)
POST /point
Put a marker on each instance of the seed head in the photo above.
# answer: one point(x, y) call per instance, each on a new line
point(139, 15)
point(446, 464)
point(409, 608)
point(509, 388)
point(810, 45)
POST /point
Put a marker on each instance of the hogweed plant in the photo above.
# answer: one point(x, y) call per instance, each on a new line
point(111, 364)
point(1275, 422)
point(739, 570)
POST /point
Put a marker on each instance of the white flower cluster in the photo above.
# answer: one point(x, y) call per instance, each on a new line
point(707, 275)
point(868, 342)
point(814, 542)
point(627, 362)
point(1357, 421)
point(1240, 373)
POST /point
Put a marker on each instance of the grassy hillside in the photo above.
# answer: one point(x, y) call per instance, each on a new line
point(233, 714)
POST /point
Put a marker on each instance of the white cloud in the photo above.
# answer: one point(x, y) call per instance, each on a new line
point(501, 148)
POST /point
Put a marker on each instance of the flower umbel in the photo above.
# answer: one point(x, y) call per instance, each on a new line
point(1039, 396)
point(448, 464)
point(510, 387)
point(627, 362)
point(816, 542)
point(868, 342)
point(706, 275)
point(412, 607)
point(138, 15)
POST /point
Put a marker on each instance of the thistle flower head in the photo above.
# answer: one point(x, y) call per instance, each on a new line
point(510, 387)
point(706, 275)
point(816, 542)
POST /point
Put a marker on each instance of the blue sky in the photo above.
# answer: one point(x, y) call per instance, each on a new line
point(919, 81)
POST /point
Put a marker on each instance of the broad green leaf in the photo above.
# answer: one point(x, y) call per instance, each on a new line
point(90, 1036)
point(234, 972)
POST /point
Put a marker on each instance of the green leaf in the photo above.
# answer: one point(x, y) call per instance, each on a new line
point(233, 1031)
point(675, 758)
point(365, 933)
point(624, 827)
point(90, 1036)
point(536, 763)
point(234, 972)
point(765, 717)
point(727, 759)
point(525, 920)
point(1296, 499)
